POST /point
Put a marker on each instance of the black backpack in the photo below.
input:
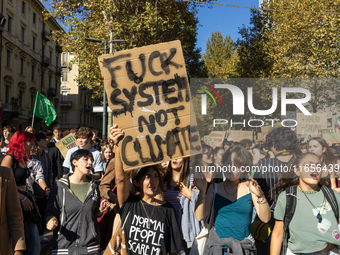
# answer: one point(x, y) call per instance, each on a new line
point(290, 210)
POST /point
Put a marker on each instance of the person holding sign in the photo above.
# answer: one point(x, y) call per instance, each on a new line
point(84, 137)
point(151, 226)
point(73, 208)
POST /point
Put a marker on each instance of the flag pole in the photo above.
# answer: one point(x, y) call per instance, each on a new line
point(35, 104)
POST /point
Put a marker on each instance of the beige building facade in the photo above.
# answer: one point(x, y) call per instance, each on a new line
point(76, 104)
point(30, 62)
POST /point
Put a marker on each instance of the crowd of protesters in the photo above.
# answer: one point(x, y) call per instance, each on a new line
point(162, 208)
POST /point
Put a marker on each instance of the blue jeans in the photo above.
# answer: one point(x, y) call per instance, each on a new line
point(32, 239)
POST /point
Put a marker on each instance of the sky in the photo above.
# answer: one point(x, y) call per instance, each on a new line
point(227, 20)
point(212, 18)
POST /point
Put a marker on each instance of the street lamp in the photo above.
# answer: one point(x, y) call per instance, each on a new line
point(95, 40)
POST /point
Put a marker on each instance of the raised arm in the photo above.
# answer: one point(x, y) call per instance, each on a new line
point(205, 199)
point(122, 182)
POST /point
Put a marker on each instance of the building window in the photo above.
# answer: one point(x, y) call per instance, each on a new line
point(49, 82)
point(7, 94)
point(65, 74)
point(34, 18)
point(57, 62)
point(21, 98)
point(65, 58)
point(56, 86)
point(34, 40)
point(81, 98)
point(9, 24)
point(22, 64)
point(51, 54)
point(23, 7)
point(33, 73)
point(23, 34)
point(8, 59)
point(65, 96)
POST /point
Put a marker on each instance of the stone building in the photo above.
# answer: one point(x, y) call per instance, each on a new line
point(76, 103)
point(30, 62)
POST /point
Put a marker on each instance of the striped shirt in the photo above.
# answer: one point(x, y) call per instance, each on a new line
point(173, 196)
point(267, 178)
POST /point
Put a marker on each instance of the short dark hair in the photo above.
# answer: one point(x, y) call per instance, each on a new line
point(56, 127)
point(46, 132)
point(282, 138)
point(10, 129)
point(138, 174)
point(79, 154)
point(39, 136)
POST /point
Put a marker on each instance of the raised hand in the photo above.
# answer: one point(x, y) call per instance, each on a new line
point(116, 134)
point(185, 191)
point(201, 182)
point(254, 187)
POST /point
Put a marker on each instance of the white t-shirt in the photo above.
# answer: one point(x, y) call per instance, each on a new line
point(97, 165)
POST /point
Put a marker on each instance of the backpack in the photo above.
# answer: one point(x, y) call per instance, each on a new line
point(290, 210)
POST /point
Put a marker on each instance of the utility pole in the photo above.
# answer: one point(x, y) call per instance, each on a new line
point(109, 119)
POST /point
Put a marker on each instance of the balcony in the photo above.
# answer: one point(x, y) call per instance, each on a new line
point(46, 61)
point(45, 36)
point(51, 92)
point(58, 71)
point(59, 49)
point(66, 104)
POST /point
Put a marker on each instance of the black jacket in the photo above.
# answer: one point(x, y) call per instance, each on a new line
point(77, 230)
point(57, 160)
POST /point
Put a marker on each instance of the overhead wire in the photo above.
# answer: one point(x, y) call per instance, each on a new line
point(262, 9)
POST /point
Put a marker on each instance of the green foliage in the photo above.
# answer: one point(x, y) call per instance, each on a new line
point(140, 23)
point(220, 57)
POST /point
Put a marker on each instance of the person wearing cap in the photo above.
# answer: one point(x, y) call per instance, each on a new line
point(144, 213)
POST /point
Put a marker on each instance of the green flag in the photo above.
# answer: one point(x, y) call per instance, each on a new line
point(44, 109)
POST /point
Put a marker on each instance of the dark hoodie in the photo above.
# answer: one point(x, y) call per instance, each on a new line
point(77, 230)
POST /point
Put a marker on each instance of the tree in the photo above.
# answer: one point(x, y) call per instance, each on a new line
point(140, 23)
point(254, 61)
point(306, 45)
point(220, 57)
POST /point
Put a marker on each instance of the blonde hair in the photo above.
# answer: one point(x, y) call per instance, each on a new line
point(30, 127)
point(106, 146)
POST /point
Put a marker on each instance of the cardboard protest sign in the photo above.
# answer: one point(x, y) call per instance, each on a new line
point(149, 95)
point(216, 138)
point(309, 124)
point(329, 135)
point(238, 135)
point(67, 143)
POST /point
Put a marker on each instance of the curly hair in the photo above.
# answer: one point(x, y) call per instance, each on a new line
point(282, 138)
point(16, 145)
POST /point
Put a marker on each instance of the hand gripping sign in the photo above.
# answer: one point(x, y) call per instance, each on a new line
point(149, 95)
